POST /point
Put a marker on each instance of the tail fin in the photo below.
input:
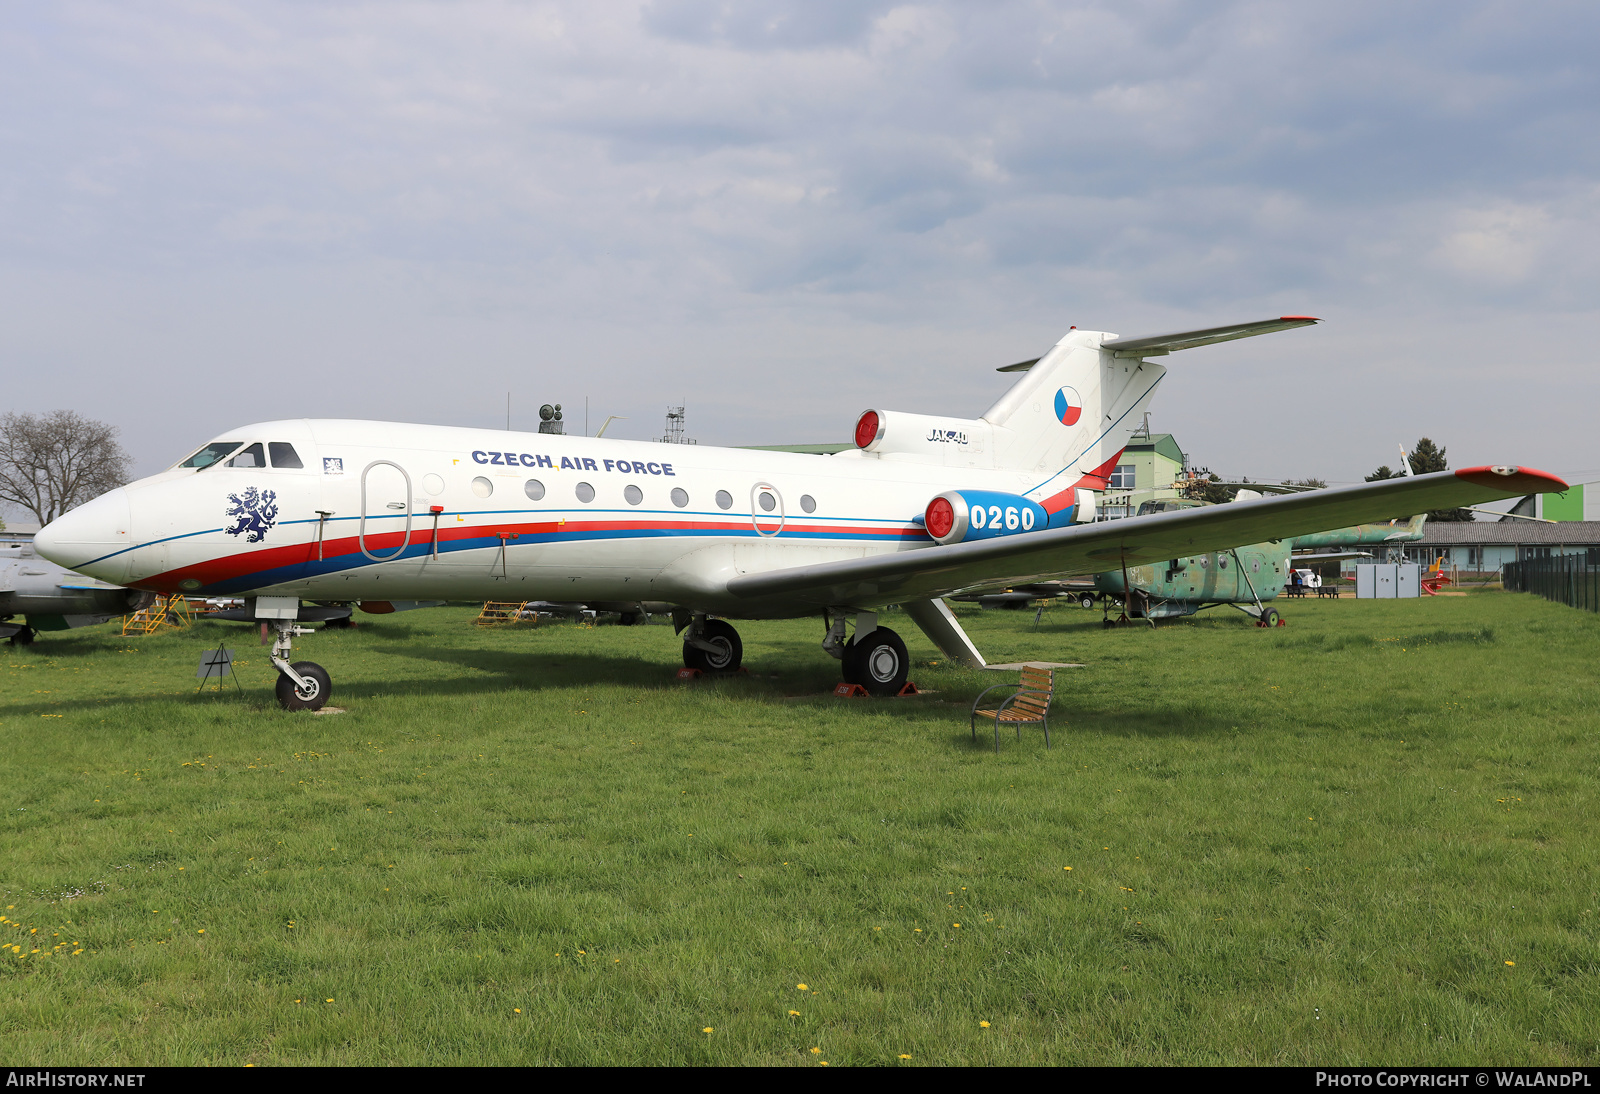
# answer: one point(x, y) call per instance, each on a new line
point(1066, 419)
point(1073, 411)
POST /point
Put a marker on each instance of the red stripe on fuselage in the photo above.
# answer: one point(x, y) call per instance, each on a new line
point(244, 563)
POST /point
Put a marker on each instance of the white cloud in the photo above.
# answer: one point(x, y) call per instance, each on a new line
point(907, 192)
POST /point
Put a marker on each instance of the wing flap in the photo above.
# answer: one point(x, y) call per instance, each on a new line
point(927, 572)
point(1156, 344)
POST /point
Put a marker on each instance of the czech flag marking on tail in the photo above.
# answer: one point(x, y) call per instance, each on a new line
point(1069, 406)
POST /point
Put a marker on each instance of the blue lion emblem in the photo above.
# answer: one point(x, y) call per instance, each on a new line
point(253, 514)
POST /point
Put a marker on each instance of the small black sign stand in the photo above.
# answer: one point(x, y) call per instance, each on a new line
point(218, 663)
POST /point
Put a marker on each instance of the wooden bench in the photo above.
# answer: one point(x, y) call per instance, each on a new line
point(1029, 704)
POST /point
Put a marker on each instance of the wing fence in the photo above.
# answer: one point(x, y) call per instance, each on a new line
point(1567, 579)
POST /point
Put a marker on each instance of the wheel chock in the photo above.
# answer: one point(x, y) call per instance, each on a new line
point(689, 675)
point(856, 691)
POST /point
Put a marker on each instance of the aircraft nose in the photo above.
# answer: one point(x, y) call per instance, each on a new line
point(80, 539)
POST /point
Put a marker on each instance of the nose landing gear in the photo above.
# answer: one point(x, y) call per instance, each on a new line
point(304, 685)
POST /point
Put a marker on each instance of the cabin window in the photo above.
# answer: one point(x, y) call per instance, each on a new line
point(433, 484)
point(534, 489)
point(767, 501)
point(808, 503)
point(482, 487)
point(1205, 560)
point(1222, 562)
point(680, 496)
point(284, 455)
point(210, 454)
point(585, 492)
point(632, 494)
point(724, 500)
point(1122, 477)
point(250, 457)
point(1255, 565)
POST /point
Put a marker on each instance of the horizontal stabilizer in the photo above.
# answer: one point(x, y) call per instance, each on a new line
point(1157, 344)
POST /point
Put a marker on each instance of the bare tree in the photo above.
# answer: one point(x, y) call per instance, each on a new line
point(50, 463)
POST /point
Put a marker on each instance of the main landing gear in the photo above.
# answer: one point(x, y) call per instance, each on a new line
point(875, 657)
point(304, 685)
point(712, 645)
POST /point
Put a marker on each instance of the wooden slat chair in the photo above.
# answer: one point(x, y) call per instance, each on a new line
point(1029, 704)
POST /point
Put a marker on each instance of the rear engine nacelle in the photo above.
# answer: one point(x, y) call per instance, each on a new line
point(958, 516)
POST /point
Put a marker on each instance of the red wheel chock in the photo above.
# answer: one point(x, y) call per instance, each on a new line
point(856, 691)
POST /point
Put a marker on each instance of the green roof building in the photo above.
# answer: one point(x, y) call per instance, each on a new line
point(1146, 471)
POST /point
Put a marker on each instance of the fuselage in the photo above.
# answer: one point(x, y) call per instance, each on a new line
point(345, 510)
point(1257, 572)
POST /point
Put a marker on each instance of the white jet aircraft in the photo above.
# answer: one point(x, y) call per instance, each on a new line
point(924, 507)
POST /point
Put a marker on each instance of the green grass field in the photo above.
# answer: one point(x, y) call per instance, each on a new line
point(1367, 837)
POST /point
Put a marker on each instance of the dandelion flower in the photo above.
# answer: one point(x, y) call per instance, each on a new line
point(330, 1000)
point(905, 1055)
point(802, 987)
point(816, 1051)
point(794, 1014)
point(516, 1010)
point(1510, 962)
point(708, 1029)
point(985, 1025)
point(955, 924)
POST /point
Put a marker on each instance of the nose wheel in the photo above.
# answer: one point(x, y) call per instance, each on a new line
point(310, 692)
point(304, 685)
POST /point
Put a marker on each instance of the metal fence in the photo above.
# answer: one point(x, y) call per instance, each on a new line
point(1567, 579)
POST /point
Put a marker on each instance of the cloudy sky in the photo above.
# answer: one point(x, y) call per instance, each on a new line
point(784, 211)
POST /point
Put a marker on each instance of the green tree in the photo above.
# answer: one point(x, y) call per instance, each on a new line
point(1424, 457)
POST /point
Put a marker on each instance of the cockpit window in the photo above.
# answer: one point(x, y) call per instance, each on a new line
point(250, 457)
point(210, 454)
point(283, 454)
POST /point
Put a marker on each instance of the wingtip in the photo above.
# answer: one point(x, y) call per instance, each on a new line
point(1298, 319)
point(1512, 479)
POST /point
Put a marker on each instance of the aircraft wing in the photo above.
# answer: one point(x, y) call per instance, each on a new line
point(1055, 553)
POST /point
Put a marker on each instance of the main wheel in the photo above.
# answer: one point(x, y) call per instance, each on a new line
point(24, 637)
point(1269, 618)
point(1086, 600)
point(729, 653)
point(878, 662)
point(313, 697)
